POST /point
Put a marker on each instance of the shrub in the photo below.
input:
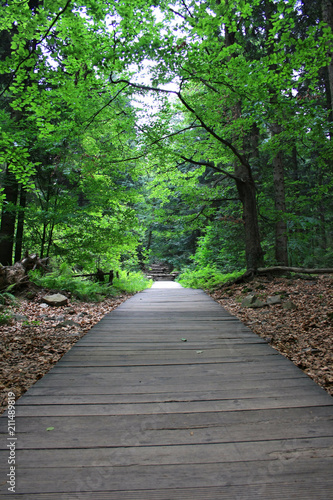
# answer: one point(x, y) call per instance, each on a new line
point(207, 278)
point(86, 289)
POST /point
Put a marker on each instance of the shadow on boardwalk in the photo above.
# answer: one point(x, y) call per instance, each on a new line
point(170, 397)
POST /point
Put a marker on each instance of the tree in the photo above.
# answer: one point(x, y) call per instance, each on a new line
point(56, 94)
point(240, 95)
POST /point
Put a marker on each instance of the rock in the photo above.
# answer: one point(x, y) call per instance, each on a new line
point(289, 305)
point(54, 318)
point(253, 301)
point(257, 304)
point(69, 310)
point(68, 322)
point(20, 317)
point(248, 300)
point(55, 300)
point(276, 299)
point(82, 314)
point(43, 306)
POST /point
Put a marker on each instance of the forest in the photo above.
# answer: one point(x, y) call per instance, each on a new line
point(195, 133)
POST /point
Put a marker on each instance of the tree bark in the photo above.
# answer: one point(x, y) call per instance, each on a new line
point(247, 194)
point(327, 13)
point(20, 225)
point(281, 236)
point(8, 218)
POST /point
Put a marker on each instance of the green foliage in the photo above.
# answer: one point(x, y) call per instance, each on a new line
point(5, 318)
point(62, 281)
point(7, 298)
point(85, 289)
point(107, 171)
point(131, 282)
point(207, 278)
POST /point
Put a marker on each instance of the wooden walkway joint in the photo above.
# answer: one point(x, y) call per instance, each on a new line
point(170, 397)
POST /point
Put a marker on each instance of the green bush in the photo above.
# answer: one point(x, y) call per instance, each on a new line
point(207, 278)
point(86, 289)
point(131, 282)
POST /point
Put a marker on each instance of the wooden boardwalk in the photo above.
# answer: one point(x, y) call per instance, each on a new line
point(170, 397)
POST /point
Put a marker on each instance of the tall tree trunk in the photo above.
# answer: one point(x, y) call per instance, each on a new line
point(247, 194)
point(281, 237)
point(247, 191)
point(8, 218)
point(327, 13)
point(20, 225)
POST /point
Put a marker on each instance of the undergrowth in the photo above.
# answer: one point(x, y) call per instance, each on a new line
point(207, 278)
point(86, 289)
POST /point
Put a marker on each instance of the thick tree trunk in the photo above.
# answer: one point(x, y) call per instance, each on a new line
point(17, 274)
point(247, 194)
point(8, 218)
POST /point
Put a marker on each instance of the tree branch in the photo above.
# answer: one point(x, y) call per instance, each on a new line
point(35, 47)
point(105, 106)
point(206, 127)
point(213, 133)
point(212, 165)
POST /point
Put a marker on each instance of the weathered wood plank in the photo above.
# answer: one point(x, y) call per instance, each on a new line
point(175, 407)
point(138, 414)
point(293, 449)
point(289, 388)
point(256, 381)
point(174, 428)
point(292, 490)
point(118, 478)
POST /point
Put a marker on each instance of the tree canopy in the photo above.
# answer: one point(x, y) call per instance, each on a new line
point(195, 132)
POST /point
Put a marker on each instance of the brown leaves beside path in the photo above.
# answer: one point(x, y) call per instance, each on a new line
point(303, 333)
point(31, 345)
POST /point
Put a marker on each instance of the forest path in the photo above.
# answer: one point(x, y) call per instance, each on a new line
point(169, 397)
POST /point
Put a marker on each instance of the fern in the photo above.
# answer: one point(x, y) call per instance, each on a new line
point(87, 290)
point(207, 278)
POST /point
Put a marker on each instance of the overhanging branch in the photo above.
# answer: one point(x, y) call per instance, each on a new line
point(213, 166)
point(103, 107)
point(35, 47)
point(206, 127)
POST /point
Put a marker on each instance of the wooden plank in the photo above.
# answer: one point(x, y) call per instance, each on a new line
point(115, 478)
point(174, 428)
point(292, 490)
point(298, 388)
point(137, 414)
point(251, 382)
point(294, 449)
point(175, 407)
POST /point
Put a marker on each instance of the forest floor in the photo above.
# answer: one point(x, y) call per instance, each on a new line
point(300, 328)
point(40, 335)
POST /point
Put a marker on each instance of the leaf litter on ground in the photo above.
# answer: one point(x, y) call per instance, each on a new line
point(33, 343)
point(302, 332)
